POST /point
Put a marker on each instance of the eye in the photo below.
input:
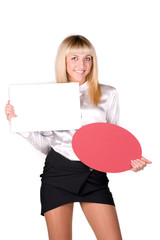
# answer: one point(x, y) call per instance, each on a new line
point(88, 58)
point(74, 58)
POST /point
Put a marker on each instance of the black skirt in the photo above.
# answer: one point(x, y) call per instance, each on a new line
point(65, 181)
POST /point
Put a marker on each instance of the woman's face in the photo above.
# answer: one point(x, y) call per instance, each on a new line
point(78, 67)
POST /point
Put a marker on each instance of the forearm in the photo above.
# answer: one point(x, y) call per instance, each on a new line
point(37, 140)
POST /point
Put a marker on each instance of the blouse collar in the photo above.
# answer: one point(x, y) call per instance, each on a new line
point(83, 87)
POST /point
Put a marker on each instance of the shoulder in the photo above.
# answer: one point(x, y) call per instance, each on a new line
point(107, 89)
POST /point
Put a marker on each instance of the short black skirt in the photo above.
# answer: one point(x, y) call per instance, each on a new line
point(65, 181)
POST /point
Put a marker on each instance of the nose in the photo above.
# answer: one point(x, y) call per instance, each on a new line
point(81, 64)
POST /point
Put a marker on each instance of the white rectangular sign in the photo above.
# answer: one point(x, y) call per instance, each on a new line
point(45, 107)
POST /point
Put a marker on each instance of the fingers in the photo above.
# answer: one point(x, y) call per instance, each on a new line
point(9, 116)
point(146, 160)
point(9, 111)
point(139, 164)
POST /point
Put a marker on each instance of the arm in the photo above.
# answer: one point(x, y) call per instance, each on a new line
point(112, 115)
point(38, 140)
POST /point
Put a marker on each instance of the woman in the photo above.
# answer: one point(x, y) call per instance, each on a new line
point(65, 179)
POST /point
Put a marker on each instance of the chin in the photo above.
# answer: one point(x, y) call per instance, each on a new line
point(80, 80)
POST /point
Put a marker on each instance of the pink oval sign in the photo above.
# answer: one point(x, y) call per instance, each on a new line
point(106, 147)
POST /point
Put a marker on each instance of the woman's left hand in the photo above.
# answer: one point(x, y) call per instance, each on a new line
point(139, 164)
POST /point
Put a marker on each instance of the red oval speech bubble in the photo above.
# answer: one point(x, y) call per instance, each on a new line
point(106, 147)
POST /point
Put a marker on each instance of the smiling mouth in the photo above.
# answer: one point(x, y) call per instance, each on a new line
point(80, 71)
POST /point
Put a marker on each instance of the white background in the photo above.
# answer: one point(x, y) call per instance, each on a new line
point(126, 37)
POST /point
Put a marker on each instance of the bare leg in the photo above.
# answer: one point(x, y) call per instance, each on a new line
point(59, 222)
point(103, 220)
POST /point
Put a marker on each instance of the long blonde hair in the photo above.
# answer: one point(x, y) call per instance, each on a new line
point(75, 44)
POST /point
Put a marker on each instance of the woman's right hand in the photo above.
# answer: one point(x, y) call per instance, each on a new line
point(9, 111)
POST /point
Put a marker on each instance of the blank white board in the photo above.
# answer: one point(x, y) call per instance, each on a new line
point(45, 107)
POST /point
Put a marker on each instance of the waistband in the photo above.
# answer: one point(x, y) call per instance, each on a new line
point(57, 159)
point(57, 162)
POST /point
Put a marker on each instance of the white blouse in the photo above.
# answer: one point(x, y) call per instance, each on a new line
point(61, 141)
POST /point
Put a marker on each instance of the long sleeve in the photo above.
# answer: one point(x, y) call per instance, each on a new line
point(40, 140)
point(112, 115)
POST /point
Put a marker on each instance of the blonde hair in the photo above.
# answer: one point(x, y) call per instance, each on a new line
point(77, 44)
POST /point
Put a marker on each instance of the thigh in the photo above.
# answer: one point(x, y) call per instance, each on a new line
point(103, 220)
point(59, 222)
